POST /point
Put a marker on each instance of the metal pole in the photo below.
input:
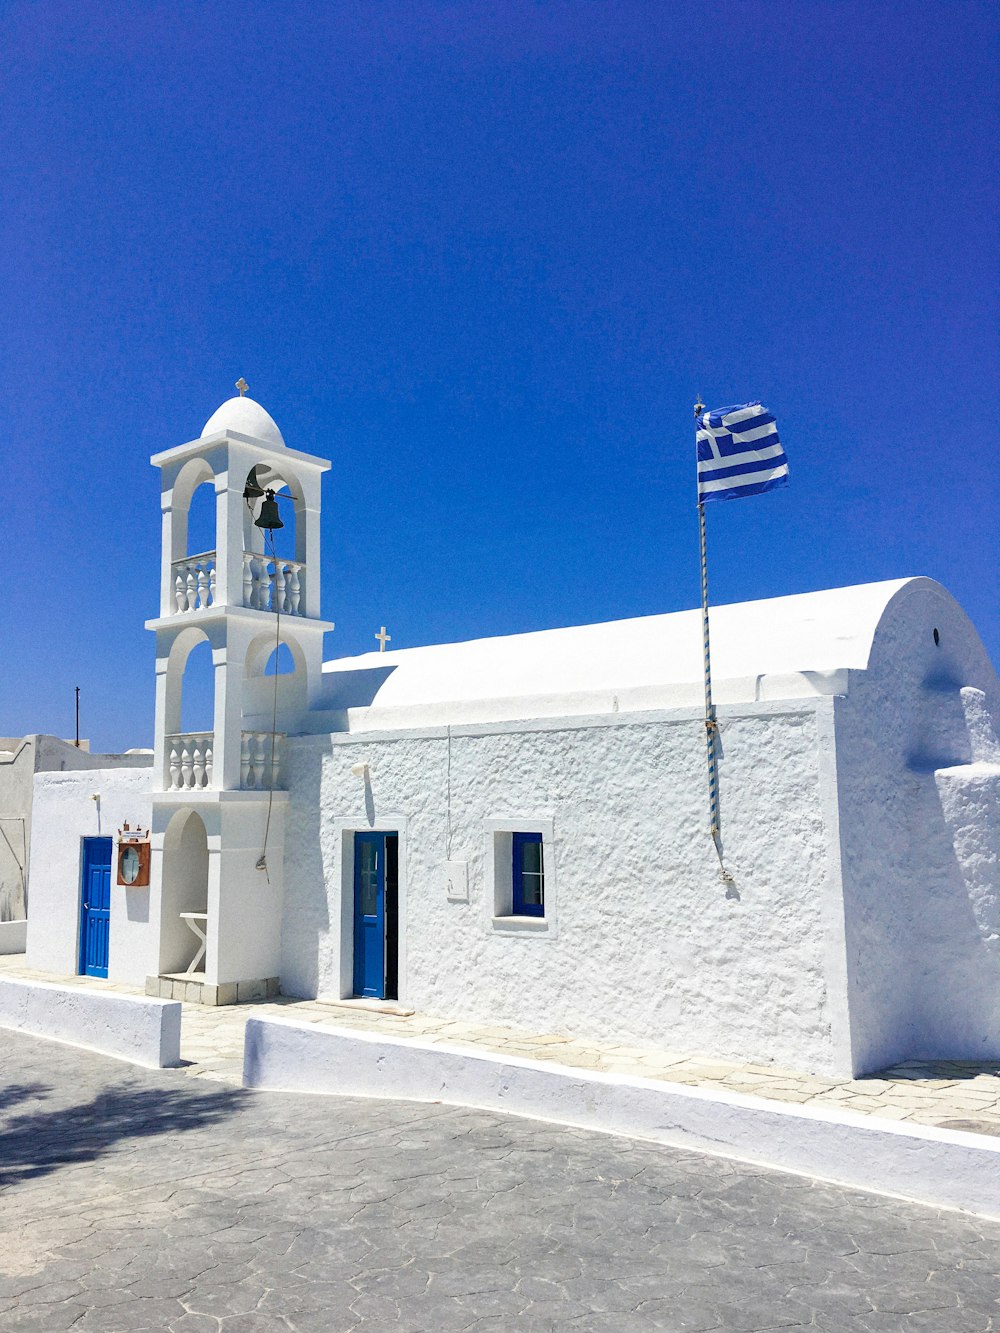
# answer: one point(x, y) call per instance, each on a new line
point(710, 723)
point(77, 688)
point(711, 726)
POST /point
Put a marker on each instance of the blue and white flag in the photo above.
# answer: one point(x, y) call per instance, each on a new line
point(739, 453)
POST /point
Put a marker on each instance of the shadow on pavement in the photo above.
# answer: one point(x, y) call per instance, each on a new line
point(22, 1092)
point(37, 1142)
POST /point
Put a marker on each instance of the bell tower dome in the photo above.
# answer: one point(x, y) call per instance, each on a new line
point(218, 795)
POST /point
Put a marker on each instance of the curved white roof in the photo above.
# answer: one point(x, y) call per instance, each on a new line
point(246, 417)
point(804, 643)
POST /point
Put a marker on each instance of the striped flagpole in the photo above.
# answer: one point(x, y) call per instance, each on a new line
point(711, 727)
point(710, 724)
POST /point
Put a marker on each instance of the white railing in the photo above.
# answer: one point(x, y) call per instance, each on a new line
point(194, 581)
point(189, 761)
point(273, 585)
point(256, 761)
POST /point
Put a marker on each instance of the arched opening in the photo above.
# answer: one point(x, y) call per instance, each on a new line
point(274, 573)
point(192, 477)
point(201, 519)
point(198, 690)
point(281, 662)
point(275, 683)
point(288, 539)
point(190, 713)
point(184, 902)
point(192, 538)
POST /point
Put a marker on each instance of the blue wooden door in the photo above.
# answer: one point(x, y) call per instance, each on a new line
point(95, 907)
point(369, 915)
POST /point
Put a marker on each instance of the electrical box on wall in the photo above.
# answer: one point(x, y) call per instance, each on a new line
point(133, 857)
point(456, 880)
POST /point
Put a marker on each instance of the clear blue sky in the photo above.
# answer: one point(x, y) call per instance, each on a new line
point(483, 256)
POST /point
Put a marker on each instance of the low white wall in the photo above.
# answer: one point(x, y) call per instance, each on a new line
point(64, 813)
point(935, 1166)
point(13, 935)
point(145, 1031)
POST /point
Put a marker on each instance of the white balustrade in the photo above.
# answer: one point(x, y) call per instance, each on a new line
point(268, 584)
point(259, 765)
point(194, 582)
point(273, 585)
point(189, 761)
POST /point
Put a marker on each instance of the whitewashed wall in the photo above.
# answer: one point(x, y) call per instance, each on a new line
point(920, 821)
point(63, 814)
point(645, 945)
point(20, 759)
point(17, 769)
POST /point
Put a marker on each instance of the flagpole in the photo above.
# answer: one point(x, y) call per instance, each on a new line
point(710, 723)
point(711, 726)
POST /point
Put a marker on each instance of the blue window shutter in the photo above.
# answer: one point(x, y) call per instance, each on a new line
point(527, 865)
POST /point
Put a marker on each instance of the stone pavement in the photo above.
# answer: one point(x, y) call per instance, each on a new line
point(142, 1200)
point(952, 1094)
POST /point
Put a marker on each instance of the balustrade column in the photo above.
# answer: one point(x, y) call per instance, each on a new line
point(247, 579)
point(294, 590)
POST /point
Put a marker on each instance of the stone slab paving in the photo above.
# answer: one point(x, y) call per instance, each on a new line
point(133, 1199)
point(951, 1094)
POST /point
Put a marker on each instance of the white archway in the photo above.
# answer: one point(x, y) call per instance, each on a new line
point(185, 889)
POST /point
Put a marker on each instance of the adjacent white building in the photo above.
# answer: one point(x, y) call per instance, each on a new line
point(515, 830)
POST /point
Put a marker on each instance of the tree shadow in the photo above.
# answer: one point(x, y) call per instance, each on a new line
point(22, 1092)
point(38, 1142)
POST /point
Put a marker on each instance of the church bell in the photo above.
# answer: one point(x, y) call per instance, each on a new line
point(269, 518)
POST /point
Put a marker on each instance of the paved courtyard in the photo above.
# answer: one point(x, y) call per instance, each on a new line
point(952, 1094)
point(132, 1200)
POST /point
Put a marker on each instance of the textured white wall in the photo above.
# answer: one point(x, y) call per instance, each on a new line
point(17, 769)
point(916, 754)
point(648, 947)
point(63, 814)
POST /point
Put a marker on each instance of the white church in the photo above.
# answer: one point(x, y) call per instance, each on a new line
point(514, 830)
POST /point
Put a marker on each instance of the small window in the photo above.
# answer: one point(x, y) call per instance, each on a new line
point(521, 875)
point(528, 875)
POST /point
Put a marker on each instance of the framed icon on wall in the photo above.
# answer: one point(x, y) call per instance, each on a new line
point(133, 857)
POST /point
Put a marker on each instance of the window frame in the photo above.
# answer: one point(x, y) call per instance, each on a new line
point(498, 904)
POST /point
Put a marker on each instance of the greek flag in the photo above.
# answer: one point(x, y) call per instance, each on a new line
point(739, 453)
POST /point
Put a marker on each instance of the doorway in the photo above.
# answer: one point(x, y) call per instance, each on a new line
point(95, 906)
point(376, 915)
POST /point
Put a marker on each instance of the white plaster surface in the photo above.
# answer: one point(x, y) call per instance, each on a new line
point(247, 417)
point(244, 904)
point(649, 949)
point(146, 1031)
point(13, 936)
point(20, 759)
point(920, 836)
point(785, 647)
point(934, 1166)
point(63, 814)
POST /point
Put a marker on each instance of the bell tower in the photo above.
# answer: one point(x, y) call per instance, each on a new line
point(219, 802)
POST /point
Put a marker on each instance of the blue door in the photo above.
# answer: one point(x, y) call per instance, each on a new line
point(95, 908)
point(369, 915)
